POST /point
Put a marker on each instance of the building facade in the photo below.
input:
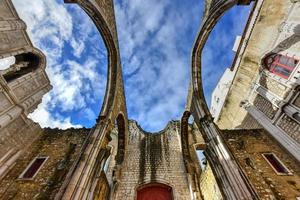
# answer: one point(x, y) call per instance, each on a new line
point(265, 89)
point(252, 152)
point(22, 86)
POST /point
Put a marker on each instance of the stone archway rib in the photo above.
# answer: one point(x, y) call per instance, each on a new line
point(81, 178)
point(231, 180)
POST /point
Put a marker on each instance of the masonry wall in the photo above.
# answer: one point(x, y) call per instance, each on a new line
point(208, 184)
point(247, 147)
point(62, 147)
point(153, 158)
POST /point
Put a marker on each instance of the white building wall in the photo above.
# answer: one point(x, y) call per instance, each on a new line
point(220, 92)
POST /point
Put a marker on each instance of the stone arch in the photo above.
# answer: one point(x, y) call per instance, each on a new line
point(104, 21)
point(184, 138)
point(160, 191)
point(25, 62)
point(121, 138)
point(192, 166)
point(77, 185)
point(228, 173)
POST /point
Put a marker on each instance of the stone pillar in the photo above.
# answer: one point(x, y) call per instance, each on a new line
point(292, 146)
point(8, 163)
point(78, 182)
point(231, 180)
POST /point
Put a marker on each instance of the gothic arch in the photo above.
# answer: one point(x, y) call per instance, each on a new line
point(104, 21)
point(226, 170)
point(121, 138)
point(184, 139)
point(77, 185)
point(162, 191)
point(25, 62)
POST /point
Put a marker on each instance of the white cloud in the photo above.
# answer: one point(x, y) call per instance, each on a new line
point(52, 28)
point(155, 55)
point(155, 38)
point(89, 114)
point(46, 119)
point(78, 47)
point(6, 62)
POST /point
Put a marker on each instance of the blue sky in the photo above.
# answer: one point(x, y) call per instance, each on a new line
point(156, 39)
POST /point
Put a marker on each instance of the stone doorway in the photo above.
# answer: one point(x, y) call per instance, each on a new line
point(154, 192)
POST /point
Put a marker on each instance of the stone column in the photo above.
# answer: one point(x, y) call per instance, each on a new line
point(78, 182)
point(9, 163)
point(231, 180)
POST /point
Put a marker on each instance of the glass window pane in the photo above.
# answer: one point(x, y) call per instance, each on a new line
point(292, 63)
point(283, 59)
point(281, 70)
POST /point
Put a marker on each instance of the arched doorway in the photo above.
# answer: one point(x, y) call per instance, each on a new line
point(154, 192)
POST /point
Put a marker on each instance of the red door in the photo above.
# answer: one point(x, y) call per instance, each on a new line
point(155, 192)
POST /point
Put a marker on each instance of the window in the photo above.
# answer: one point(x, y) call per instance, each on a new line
point(202, 159)
point(276, 164)
point(33, 168)
point(281, 65)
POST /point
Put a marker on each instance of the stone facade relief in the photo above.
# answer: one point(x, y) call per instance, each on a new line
point(5, 102)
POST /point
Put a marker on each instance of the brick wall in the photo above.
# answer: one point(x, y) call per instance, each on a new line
point(247, 147)
point(62, 146)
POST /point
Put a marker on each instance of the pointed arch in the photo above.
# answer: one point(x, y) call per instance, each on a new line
point(230, 177)
point(157, 191)
point(121, 138)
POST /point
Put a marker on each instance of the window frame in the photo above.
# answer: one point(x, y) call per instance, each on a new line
point(29, 165)
point(270, 66)
point(288, 173)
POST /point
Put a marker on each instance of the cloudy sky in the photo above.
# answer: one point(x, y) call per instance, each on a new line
point(156, 38)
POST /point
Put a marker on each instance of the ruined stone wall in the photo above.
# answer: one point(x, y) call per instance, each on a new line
point(62, 147)
point(247, 147)
point(153, 158)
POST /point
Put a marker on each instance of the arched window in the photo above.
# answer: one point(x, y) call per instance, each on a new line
point(280, 65)
point(24, 64)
